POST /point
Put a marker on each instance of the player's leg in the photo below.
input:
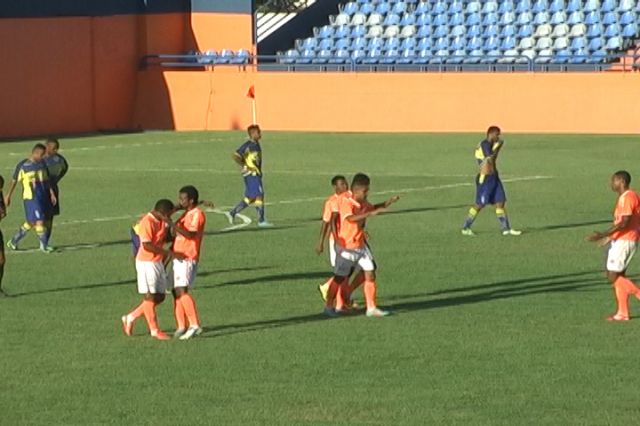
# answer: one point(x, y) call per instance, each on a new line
point(43, 237)
point(244, 203)
point(368, 266)
point(345, 262)
point(499, 198)
point(482, 188)
point(2, 262)
point(55, 211)
point(620, 254)
point(152, 283)
point(184, 273)
point(324, 288)
point(30, 218)
point(258, 192)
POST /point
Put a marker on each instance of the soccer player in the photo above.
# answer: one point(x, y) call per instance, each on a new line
point(3, 214)
point(352, 250)
point(58, 168)
point(249, 157)
point(151, 275)
point(489, 188)
point(189, 231)
point(38, 197)
point(623, 236)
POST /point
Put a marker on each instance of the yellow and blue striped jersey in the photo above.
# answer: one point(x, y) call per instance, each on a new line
point(251, 153)
point(58, 167)
point(486, 150)
point(34, 177)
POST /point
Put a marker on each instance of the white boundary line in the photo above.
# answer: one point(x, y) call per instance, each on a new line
point(123, 145)
point(246, 221)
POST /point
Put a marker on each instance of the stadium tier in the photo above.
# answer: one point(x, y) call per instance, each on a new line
point(471, 32)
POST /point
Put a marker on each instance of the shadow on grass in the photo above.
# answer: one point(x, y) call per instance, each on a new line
point(550, 284)
point(294, 276)
point(568, 226)
point(129, 281)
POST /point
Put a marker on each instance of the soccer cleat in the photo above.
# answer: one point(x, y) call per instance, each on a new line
point(160, 335)
point(127, 326)
point(330, 312)
point(511, 232)
point(377, 313)
point(468, 232)
point(323, 289)
point(265, 224)
point(617, 317)
point(230, 217)
point(192, 331)
point(47, 249)
point(11, 245)
point(179, 333)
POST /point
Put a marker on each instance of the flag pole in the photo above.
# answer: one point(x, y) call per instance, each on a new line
point(253, 110)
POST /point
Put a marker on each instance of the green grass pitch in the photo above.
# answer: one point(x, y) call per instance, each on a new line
point(487, 330)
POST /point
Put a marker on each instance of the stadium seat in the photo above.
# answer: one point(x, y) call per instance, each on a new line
point(458, 30)
point(523, 6)
point(541, 18)
point(525, 31)
point(457, 19)
point(424, 31)
point(441, 20)
point(357, 55)
point(544, 56)
point(592, 18)
point(358, 31)
point(579, 56)
point(392, 43)
point(491, 57)
point(543, 30)
point(490, 6)
point(375, 43)
point(473, 19)
point(508, 43)
point(557, 6)
point(422, 7)
point(375, 31)
point(491, 31)
point(527, 43)
point(290, 56)
point(561, 43)
point(474, 57)
point(343, 43)
point(474, 31)
point(341, 19)
point(614, 43)
point(350, 8)
point(490, 18)
point(440, 56)
point(425, 43)
point(408, 19)
point(306, 57)
point(458, 43)
point(375, 19)
point(574, 6)
point(423, 56)
point(367, 8)
point(540, 6)
point(392, 31)
point(409, 43)
point(439, 8)
point(359, 43)
point(544, 43)
point(597, 43)
point(561, 56)
point(242, 56)
point(391, 19)
point(627, 5)
point(595, 30)
point(507, 18)
point(627, 18)
point(560, 30)
point(473, 7)
point(579, 43)
point(578, 30)
point(408, 31)
point(424, 19)
point(509, 57)
point(390, 56)
point(630, 30)
point(383, 8)
point(475, 43)
point(524, 18)
point(359, 19)
point(342, 31)
point(208, 57)
point(506, 6)
point(576, 17)
point(441, 44)
point(406, 56)
point(322, 57)
point(610, 18)
point(326, 44)
point(399, 8)
point(492, 43)
point(612, 30)
point(558, 17)
point(592, 5)
point(608, 5)
point(508, 31)
point(340, 57)
point(372, 56)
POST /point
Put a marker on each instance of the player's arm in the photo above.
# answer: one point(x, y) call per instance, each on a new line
point(64, 170)
point(149, 246)
point(184, 231)
point(239, 159)
point(12, 187)
point(621, 226)
point(54, 199)
point(324, 231)
point(387, 203)
point(357, 218)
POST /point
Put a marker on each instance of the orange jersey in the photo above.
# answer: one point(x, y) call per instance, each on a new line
point(154, 231)
point(192, 220)
point(331, 206)
point(351, 235)
point(628, 205)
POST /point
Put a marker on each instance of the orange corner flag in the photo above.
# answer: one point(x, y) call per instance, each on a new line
point(252, 92)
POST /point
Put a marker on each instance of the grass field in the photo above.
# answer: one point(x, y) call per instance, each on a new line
point(487, 330)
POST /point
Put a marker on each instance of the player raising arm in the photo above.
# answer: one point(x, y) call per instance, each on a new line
point(489, 188)
point(623, 237)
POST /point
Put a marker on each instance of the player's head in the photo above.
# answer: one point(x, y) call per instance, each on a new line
point(255, 134)
point(493, 133)
point(52, 146)
point(37, 152)
point(164, 207)
point(360, 186)
point(188, 197)
point(340, 184)
point(620, 181)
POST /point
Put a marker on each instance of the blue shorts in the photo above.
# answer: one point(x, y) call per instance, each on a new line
point(135, 242)
point(253, 187)
point(36, 210)
point(490, 191)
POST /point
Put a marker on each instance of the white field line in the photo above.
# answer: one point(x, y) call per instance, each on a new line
point(25, 153)
point(245, 222)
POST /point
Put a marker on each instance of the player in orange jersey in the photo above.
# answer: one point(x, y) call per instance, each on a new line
point(152, 278)
point(188, 231)
point(352, 250)
point(623, 237)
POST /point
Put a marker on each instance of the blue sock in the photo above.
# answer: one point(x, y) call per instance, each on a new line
point(503, 219)
point(260, 210)
point(22, 232)
point(471, 217)
point(43, 236)
point(237, 209)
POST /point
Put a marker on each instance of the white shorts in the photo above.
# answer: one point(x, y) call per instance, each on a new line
point(184, 273)
point(332, 251)
point(350, 261)
point(620, 254)
point(152, 277)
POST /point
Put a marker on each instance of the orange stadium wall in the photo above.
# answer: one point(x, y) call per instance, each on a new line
point(394, 102)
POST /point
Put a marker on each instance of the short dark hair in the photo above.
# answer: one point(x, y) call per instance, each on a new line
point(624, 175)
point(337, 178)
point(360, 179)
point(191, 192)
point(493, 129)
point(164, 206)
point(252, 128)
point(53, 141)
point(38, 146)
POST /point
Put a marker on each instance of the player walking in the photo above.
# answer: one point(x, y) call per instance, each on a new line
point(249, 157)
point(58, 168)
point(489, 188)
point(623, 237)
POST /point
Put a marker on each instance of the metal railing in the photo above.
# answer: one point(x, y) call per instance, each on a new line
point(567, 63)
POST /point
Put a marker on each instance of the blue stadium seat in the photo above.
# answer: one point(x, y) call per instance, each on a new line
point(592, 6)
point(406, 56)
point(608, 6)
point(612, 30)
point(409, 43)
point(289, 57)
point(579, 56)
point(506, 6)
point(399, 8)
point(441, 31)
point(424, 19)
point(242, 56)
point(326, 44)
point(574, 6)
point(627, 18)
point(391, 19)
point(342, 31)
point(594, 30)
point(507, 18)
point(557, 6)
point(491, 57)
point(390, 56)
point(473, 7)
point(343, 43)
point(525, 31)
point(439, 57)
point(630, 30)
point(561, 56)
point(208, 57)
point(440, 19)
point(441, 43)
point(359, 43)
point(508, 43)
point(457, 57)
point(456, 7)
point(367, 8)
point(610, 18)
point(375, 43)
point(423, 56)
point(597, 56)
point(541, 18)
point(372, 56)
point(457, 19)
point(592, 18)
point(383, 8)
point(540, 6)
point(408, 19)
point(309, 43)
point(392, 43)
point(559, 17)
point(439, 8)
point(474, 30)
point(357, 55)
point(358, 31)
point(596, 43)
point(340, 56)
point(491, 43)
point(458, 43)
point(490, 6)
point(491, 31)
point(474, 57)
point(349, 8)
point(490, 18)
point(475, 43)
point(579, 43)
point(425, 31)
point(324, 32)
point(423, 7)
point(524, 18)
point(523, 6)
point(306, 57)
point(458, 30)
point(575, 17)
point(473, 19)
